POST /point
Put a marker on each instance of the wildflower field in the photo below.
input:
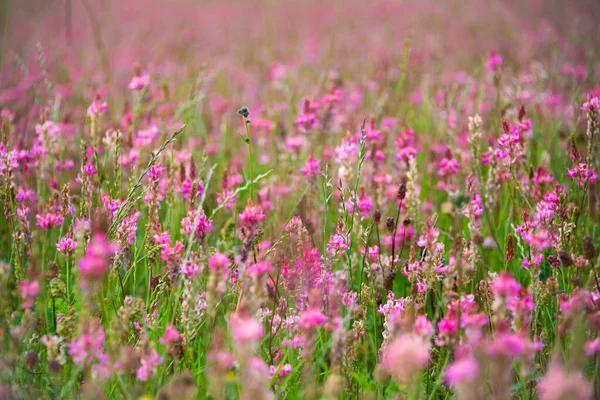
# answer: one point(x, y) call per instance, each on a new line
point(294, 199)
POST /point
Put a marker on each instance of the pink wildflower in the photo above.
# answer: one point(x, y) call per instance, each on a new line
point(28, 290)
point(505, 286)
point(94, 263)
point(261, 268)
point(88, 346)
point(170, 335)
point(149, 364)
point(89, 169)
point(312, 167)
point(284, 371)
point(405, 357)
point(423, 327)
point(592, 104)
point(245, 329)
point(494, 61)
point(559, 384)
point(67, 246)
point(592, 346)
point(138, 82)
point(218, 262)
point(203, 226)
point(190, 269)
point(463, 371)
point(252, 215)
point(49, 220)
point(311, 318)
point(97, 107)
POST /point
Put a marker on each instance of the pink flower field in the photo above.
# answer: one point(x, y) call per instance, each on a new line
point(300, 199)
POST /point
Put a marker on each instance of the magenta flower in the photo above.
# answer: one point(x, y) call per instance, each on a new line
point(284, 371)
point(245, 329)
point(508, 345)
point(67, 246)
point(295, 143)
point(423, 327)
point(252, 215)
point(505, 286)
point(539, 239)
point(338, 244)
point(94, 263)
point(89, 169)
point(190, 269)
point(494, 61)
point(559, 384)
point(307, 119)
point(172, 254)
point(448, 167)
point(592, 347)
point(405, 357)
point(49, 220)
point(311, 318)
point(149, 364)
point(582, 174)
point(372, 253)
point(86, 348)
point(218, 262)
point(364, 205)
point(312, 167)
point(170, 335)
point(139, 81)
point(260, 268)
point(203, 226)
point(127, 229)
point(162, 239)
point(592, 104)
point(226, 198)
point(25, 194)
point(97, 107)
point(465, 370)
point(28, 290)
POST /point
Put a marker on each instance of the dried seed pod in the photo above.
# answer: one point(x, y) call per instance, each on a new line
point(565, 259)
point(401, 191)
point(589, 248)
point(377, 216)
point(510, 247)
point(389, 224)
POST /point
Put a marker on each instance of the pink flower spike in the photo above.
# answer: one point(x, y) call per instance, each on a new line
point(218, 262)
point(494, 61)
point(28, 290)
point(89, 169)
point(405, 357)
point(138, 82)
point(311, 318)
point(67, 246)
point(97, 107)
point(252, 215)
point(170, 335)
point(592, 347)
point(245, 329)
point(312, 167)
point(94, 263)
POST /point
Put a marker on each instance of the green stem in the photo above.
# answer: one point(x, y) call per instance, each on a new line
point(251, 158)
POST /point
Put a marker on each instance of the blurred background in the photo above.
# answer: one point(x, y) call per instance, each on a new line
point(249, 41)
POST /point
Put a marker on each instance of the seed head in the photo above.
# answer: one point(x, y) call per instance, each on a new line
point(244, 112)
point(389, 224)
point(377, 216)
point(565, 259)
point(589, 248)
point(402, 191)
